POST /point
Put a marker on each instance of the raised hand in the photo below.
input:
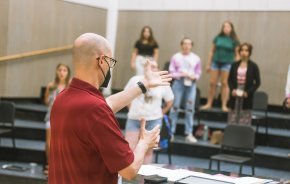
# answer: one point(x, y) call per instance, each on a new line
point(150, 138)
point(154, 79)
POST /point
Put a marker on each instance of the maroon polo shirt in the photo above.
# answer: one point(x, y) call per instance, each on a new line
point(86, 145)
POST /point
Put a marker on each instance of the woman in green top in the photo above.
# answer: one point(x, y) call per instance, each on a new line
point(224, 52)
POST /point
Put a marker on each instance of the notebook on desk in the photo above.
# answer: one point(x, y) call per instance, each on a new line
point(243, 180)
point(200, 180)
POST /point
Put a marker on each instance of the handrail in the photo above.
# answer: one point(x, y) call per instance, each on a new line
point(35, 53)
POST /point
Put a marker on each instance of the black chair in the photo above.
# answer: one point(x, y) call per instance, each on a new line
point(260, 104)
point(165, 135)
point(239, 140)
point(166, 65)
point(7, 116)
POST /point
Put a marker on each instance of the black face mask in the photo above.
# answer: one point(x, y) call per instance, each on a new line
point(107, 78)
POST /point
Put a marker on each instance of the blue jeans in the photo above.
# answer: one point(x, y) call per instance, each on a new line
point(189, 94)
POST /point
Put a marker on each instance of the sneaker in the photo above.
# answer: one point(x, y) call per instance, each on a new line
point(190, 138)
point(172, 138)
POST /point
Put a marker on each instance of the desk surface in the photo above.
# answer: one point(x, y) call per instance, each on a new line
point(140, 179)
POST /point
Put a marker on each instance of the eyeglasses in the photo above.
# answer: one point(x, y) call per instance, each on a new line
point(112, 62)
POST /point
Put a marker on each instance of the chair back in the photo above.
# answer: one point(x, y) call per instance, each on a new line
point(239, 137)
point(166, 66)
point(7, 113)
point(260, 101)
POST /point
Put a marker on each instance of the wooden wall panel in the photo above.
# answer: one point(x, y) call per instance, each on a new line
point(267, 31)
point(35, 25)
point(4, 10)
point(24, 77)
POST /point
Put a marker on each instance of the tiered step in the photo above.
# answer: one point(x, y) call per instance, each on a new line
point(29, 133)
point(265, 156)
point(30, 137)
point(278, 126)
point(275, 150)
point(29, 129)
point(31, 111)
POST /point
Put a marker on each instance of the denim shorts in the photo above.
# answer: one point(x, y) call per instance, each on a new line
point(134, 125)
point(221, 66)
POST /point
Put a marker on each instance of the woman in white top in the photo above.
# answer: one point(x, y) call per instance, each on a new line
point(149, 107)
point(61, 81)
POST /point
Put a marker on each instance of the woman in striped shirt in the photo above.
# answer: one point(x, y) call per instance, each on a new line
point(244, 79)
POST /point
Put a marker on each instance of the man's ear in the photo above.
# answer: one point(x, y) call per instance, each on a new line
point(101, 60)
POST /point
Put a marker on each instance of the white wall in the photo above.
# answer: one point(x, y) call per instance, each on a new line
point(205, 5)
point(94, 3)
point(192, 5)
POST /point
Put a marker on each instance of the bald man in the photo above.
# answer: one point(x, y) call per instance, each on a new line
point(87, 145)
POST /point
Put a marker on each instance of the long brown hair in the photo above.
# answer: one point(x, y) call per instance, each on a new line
point(56, 79)
point(233, 34)
point(151, 39)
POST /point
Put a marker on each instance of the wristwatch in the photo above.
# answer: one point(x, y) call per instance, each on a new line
point(142, 87)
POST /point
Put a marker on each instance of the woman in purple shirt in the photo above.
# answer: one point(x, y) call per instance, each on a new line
point(185, 68)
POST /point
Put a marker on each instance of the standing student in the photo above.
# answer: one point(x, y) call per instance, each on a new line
point(223, 53)
point(87, 145)
point(185, 68)
point(145, 47)
point(287, 91)
point(61, 81)
point(244, 80)
point(149, 107)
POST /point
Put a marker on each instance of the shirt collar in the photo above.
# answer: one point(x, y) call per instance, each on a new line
point(83, 85)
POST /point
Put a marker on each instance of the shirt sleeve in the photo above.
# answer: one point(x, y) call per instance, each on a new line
point(232, 77)
point(173, 68)
point(137, 45)
point(129, 84)
point(215, 40)
point(133, 81)
point(156, 46)
point(107, 139)
point(167, 93)
point(197, 69)
point(256, 78)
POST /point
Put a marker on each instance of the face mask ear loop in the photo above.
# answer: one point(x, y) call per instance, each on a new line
point(101, 69)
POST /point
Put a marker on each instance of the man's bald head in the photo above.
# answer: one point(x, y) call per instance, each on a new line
point(88, 46)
